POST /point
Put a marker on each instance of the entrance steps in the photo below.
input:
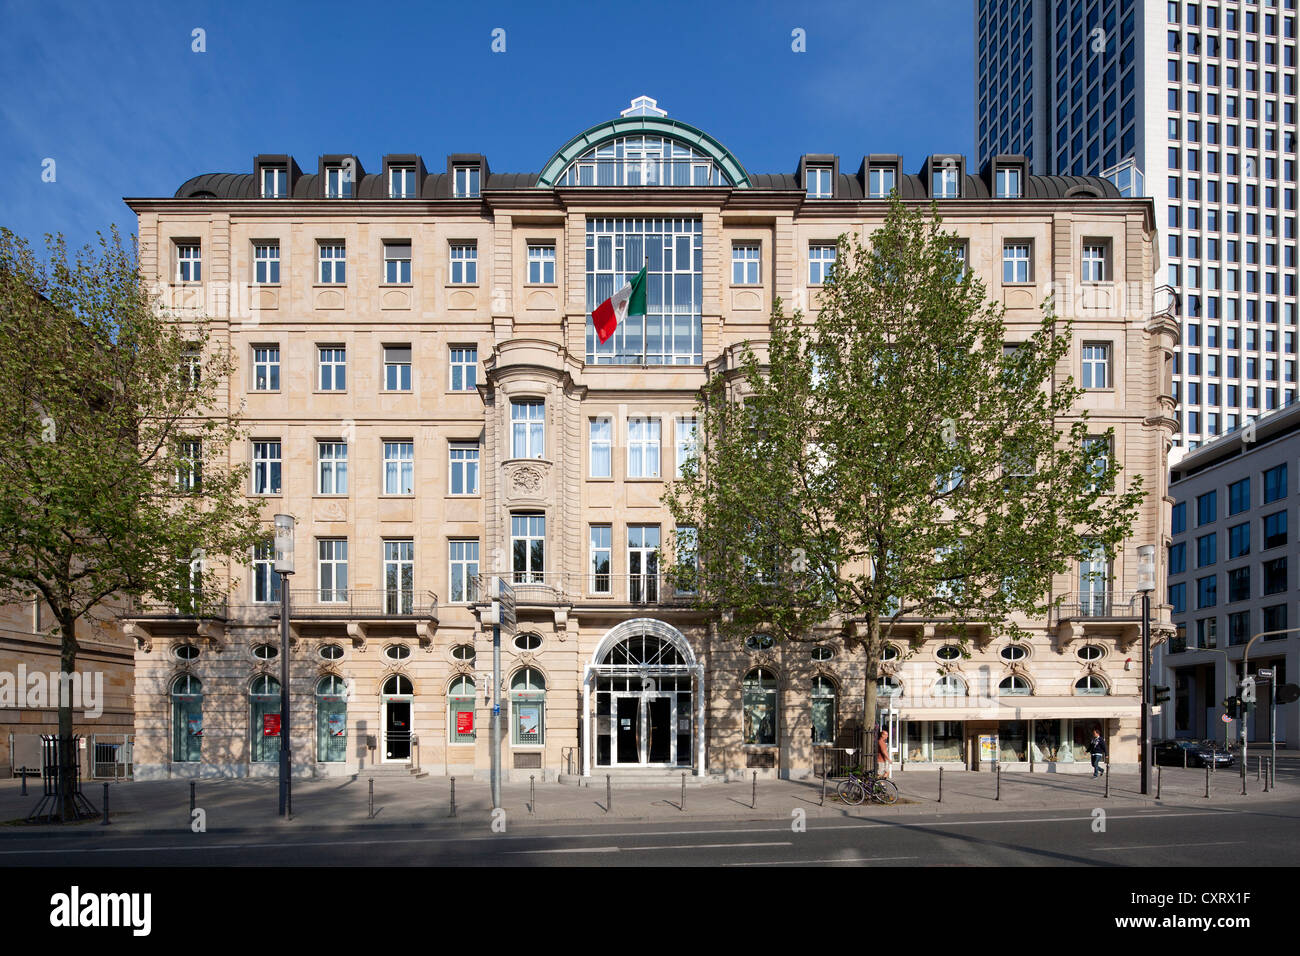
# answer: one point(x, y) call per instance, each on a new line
point(400, 770)
point(631, 777)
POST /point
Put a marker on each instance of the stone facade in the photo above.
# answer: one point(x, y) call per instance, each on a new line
point(680, 698)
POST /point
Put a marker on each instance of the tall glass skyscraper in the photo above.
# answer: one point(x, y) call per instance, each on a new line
point(1194, 104)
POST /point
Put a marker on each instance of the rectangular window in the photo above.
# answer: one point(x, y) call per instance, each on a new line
point(399, 576)
point(1099, 451)
point(397, 263)
point(332, 569)
point(819, 182)
point(1178, 523)
point(1015, 262)
point(189, 466)
point(881, 181)
point(266, 467)
point(266, 368)
point(464, 467)
point(1096, 365)
point(943, 182)
point(687, 542)
point(333, 368)
point(528, 428)
point(266, 263)
point(1207, 550)
point(266, 583)
point(1239, 540)
point(1178, 597)
point(1275, 576)
point(333, 263)
point(600, 447)
point(1275, 483)
point(1207, 632)
point(399, 467)
point(463, 574)
point(467, 182)
point(1008, 183)
point(1207, 591)
point(1207, 508)
point(332, 468)
point(686, 444)
point(1178, 558)
point(643, 448)
point(541, 265)
point(1274, 619)
point(401, 182)
point(820, 260)
point(275, 182)
point(338, 182)
point(1275, 530)
point(464, 368)
point(464, 264)
point(1239, 584)
point(643, 563)
point(189, 262)
point(528, 547)
point(1094, 262)
point(745, 263)
point(601, 551)
point(1238, 628)
point(1238, 496)
point(397, 368)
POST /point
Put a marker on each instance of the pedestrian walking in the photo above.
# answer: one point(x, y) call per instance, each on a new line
point(1097, 747)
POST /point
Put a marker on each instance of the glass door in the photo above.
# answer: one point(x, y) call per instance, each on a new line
point(661, 717)
point(627, 730)
point(399, 576)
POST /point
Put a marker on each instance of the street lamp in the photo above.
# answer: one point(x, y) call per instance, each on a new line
point(284, 567)
point(1146, 584)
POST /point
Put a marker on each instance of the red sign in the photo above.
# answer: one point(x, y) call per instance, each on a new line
point(464, 721)
point(270, 725)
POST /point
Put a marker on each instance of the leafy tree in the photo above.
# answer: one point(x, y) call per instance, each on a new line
point(895, 458)
point(114, 440)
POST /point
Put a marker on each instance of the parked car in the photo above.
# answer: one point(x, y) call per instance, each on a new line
point(1198, 753)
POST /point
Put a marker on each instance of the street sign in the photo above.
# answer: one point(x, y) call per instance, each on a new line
point(1265, 672)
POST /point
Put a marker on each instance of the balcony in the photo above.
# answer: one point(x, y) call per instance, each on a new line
point(145, 619)
point(1118, 613)
point(554, 588)
point(329, 604)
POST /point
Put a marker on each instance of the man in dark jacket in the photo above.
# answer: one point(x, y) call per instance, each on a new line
point(1097, 747)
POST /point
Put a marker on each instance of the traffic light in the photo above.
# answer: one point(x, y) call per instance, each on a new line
point(1232, 707)
point(1159, 694)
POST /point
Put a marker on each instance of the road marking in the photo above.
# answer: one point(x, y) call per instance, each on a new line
point(638, 849)
point(834, 859)
point(591, 849)
point(1165, 846)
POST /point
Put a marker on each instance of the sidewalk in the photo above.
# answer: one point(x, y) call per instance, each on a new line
point(343, 805)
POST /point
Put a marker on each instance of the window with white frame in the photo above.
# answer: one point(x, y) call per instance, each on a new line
point(528, 428)
point(758, 693)
point(266, 467)
point(601, 551)
point(821, 256)
point(1094, 262)
point(464, 368)
point(332, 569)
point(266, 368)
point(1008, 183)
point(600, 447)
point(528, 708)
point(643, 563)
point(686, 443)
point(338, 181)
point(881, 181)
point(819, 182)
point(528, 547)
point(687, 567)
point(1015, 261)
point(189, 262)
point(332, 468)
point(1099, 451)
point(266, 263)
point(464, 264)
point(463, 572)
point(541, 264)
point(943, 182)
point(1096, 365)
point(333, 368)
point(275, 182)
point(745, 263)
point(191, 370)
point(189, 465)
point(463, 456)
point(397, 368)
point(401, 182)
point(397, 262)
point(266, 583)
point(466, 181)
point(399, 467)
point(333, 263)
point(643, 448)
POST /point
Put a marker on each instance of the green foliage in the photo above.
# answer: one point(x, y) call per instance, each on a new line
point(875, 463)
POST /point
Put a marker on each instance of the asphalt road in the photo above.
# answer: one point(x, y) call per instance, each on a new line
point(1132, 837)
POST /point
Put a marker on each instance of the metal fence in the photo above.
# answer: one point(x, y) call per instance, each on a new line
point(111, 757)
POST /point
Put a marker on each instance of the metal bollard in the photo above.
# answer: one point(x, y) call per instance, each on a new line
point(1207, 783)
point(532, 794)
point(1243, 781)
point(1106, 774)
point(453, 796)
point(192, 798)
point(24, 791)
point(940, 785)
point(1184, 758)
point(1159, 772)
point(682, 804)
point(1268, 773)
point(1259, 766)
point(1213, 759)
point(609, 794)
point(105, 823)
point(372, 798)
point(997, 794)
point(753, 801)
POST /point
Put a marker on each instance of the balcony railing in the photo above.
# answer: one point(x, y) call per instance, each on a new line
point(1113, 605)
point(562, 587)
point(149, 608)
point(330, 603)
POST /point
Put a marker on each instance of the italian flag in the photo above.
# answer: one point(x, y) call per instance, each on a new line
point(629, 300)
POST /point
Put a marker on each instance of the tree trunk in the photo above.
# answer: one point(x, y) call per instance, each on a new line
point(871, 648)
point(67, 751)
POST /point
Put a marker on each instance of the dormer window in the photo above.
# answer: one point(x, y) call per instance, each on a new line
point(275, 182)
point(466, 182)
point(1008, 183)
point(401, 182)
point(943, 183)
point(819, 182)
point(881, 181)
point(338, 182)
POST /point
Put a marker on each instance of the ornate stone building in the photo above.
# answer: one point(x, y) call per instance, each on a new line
point(425, 394)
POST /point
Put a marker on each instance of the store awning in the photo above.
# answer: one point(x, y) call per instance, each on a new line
point(1018, 708)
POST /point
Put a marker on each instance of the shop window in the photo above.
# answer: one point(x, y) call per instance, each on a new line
point(187, 719)
point(528, 707)
point(460, 710)
point(264, 718)
point(760, 716)
point(331, 718)
point(1091, 686)
point(1014, 686)
point(823, 710)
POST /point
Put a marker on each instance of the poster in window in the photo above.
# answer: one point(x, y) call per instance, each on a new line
point(529, 717)
point(988, 748)
point(270, 725)
point(196, 726)
point(464, 721)
point(337, 725)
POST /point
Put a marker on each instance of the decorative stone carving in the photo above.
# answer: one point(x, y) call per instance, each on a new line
point(526, 480)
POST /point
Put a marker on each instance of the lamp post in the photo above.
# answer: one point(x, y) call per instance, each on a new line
point(1146, 584)
point(284, 567)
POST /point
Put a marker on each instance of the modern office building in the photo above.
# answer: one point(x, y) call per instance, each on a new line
point(1232, 565)
point(1194, 104)
point(423, 390)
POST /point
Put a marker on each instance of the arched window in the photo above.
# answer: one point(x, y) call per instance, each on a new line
point(331, 719)
point(759, 704)
point(643, 160)
point(399, 685)
point(187, 719)
point(1090, 652)
point(822, 653)
point(1014, 686)
point(460, 710)
point(264, 718)
point(823, 710)
point(528, 704)
point(950, 685)
point(1092, 685)
point(889, 652)
point(1014, 652)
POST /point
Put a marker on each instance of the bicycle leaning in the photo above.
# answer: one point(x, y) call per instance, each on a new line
point(858, 787)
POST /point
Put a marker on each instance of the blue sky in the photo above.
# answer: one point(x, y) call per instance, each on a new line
point(114, 94)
